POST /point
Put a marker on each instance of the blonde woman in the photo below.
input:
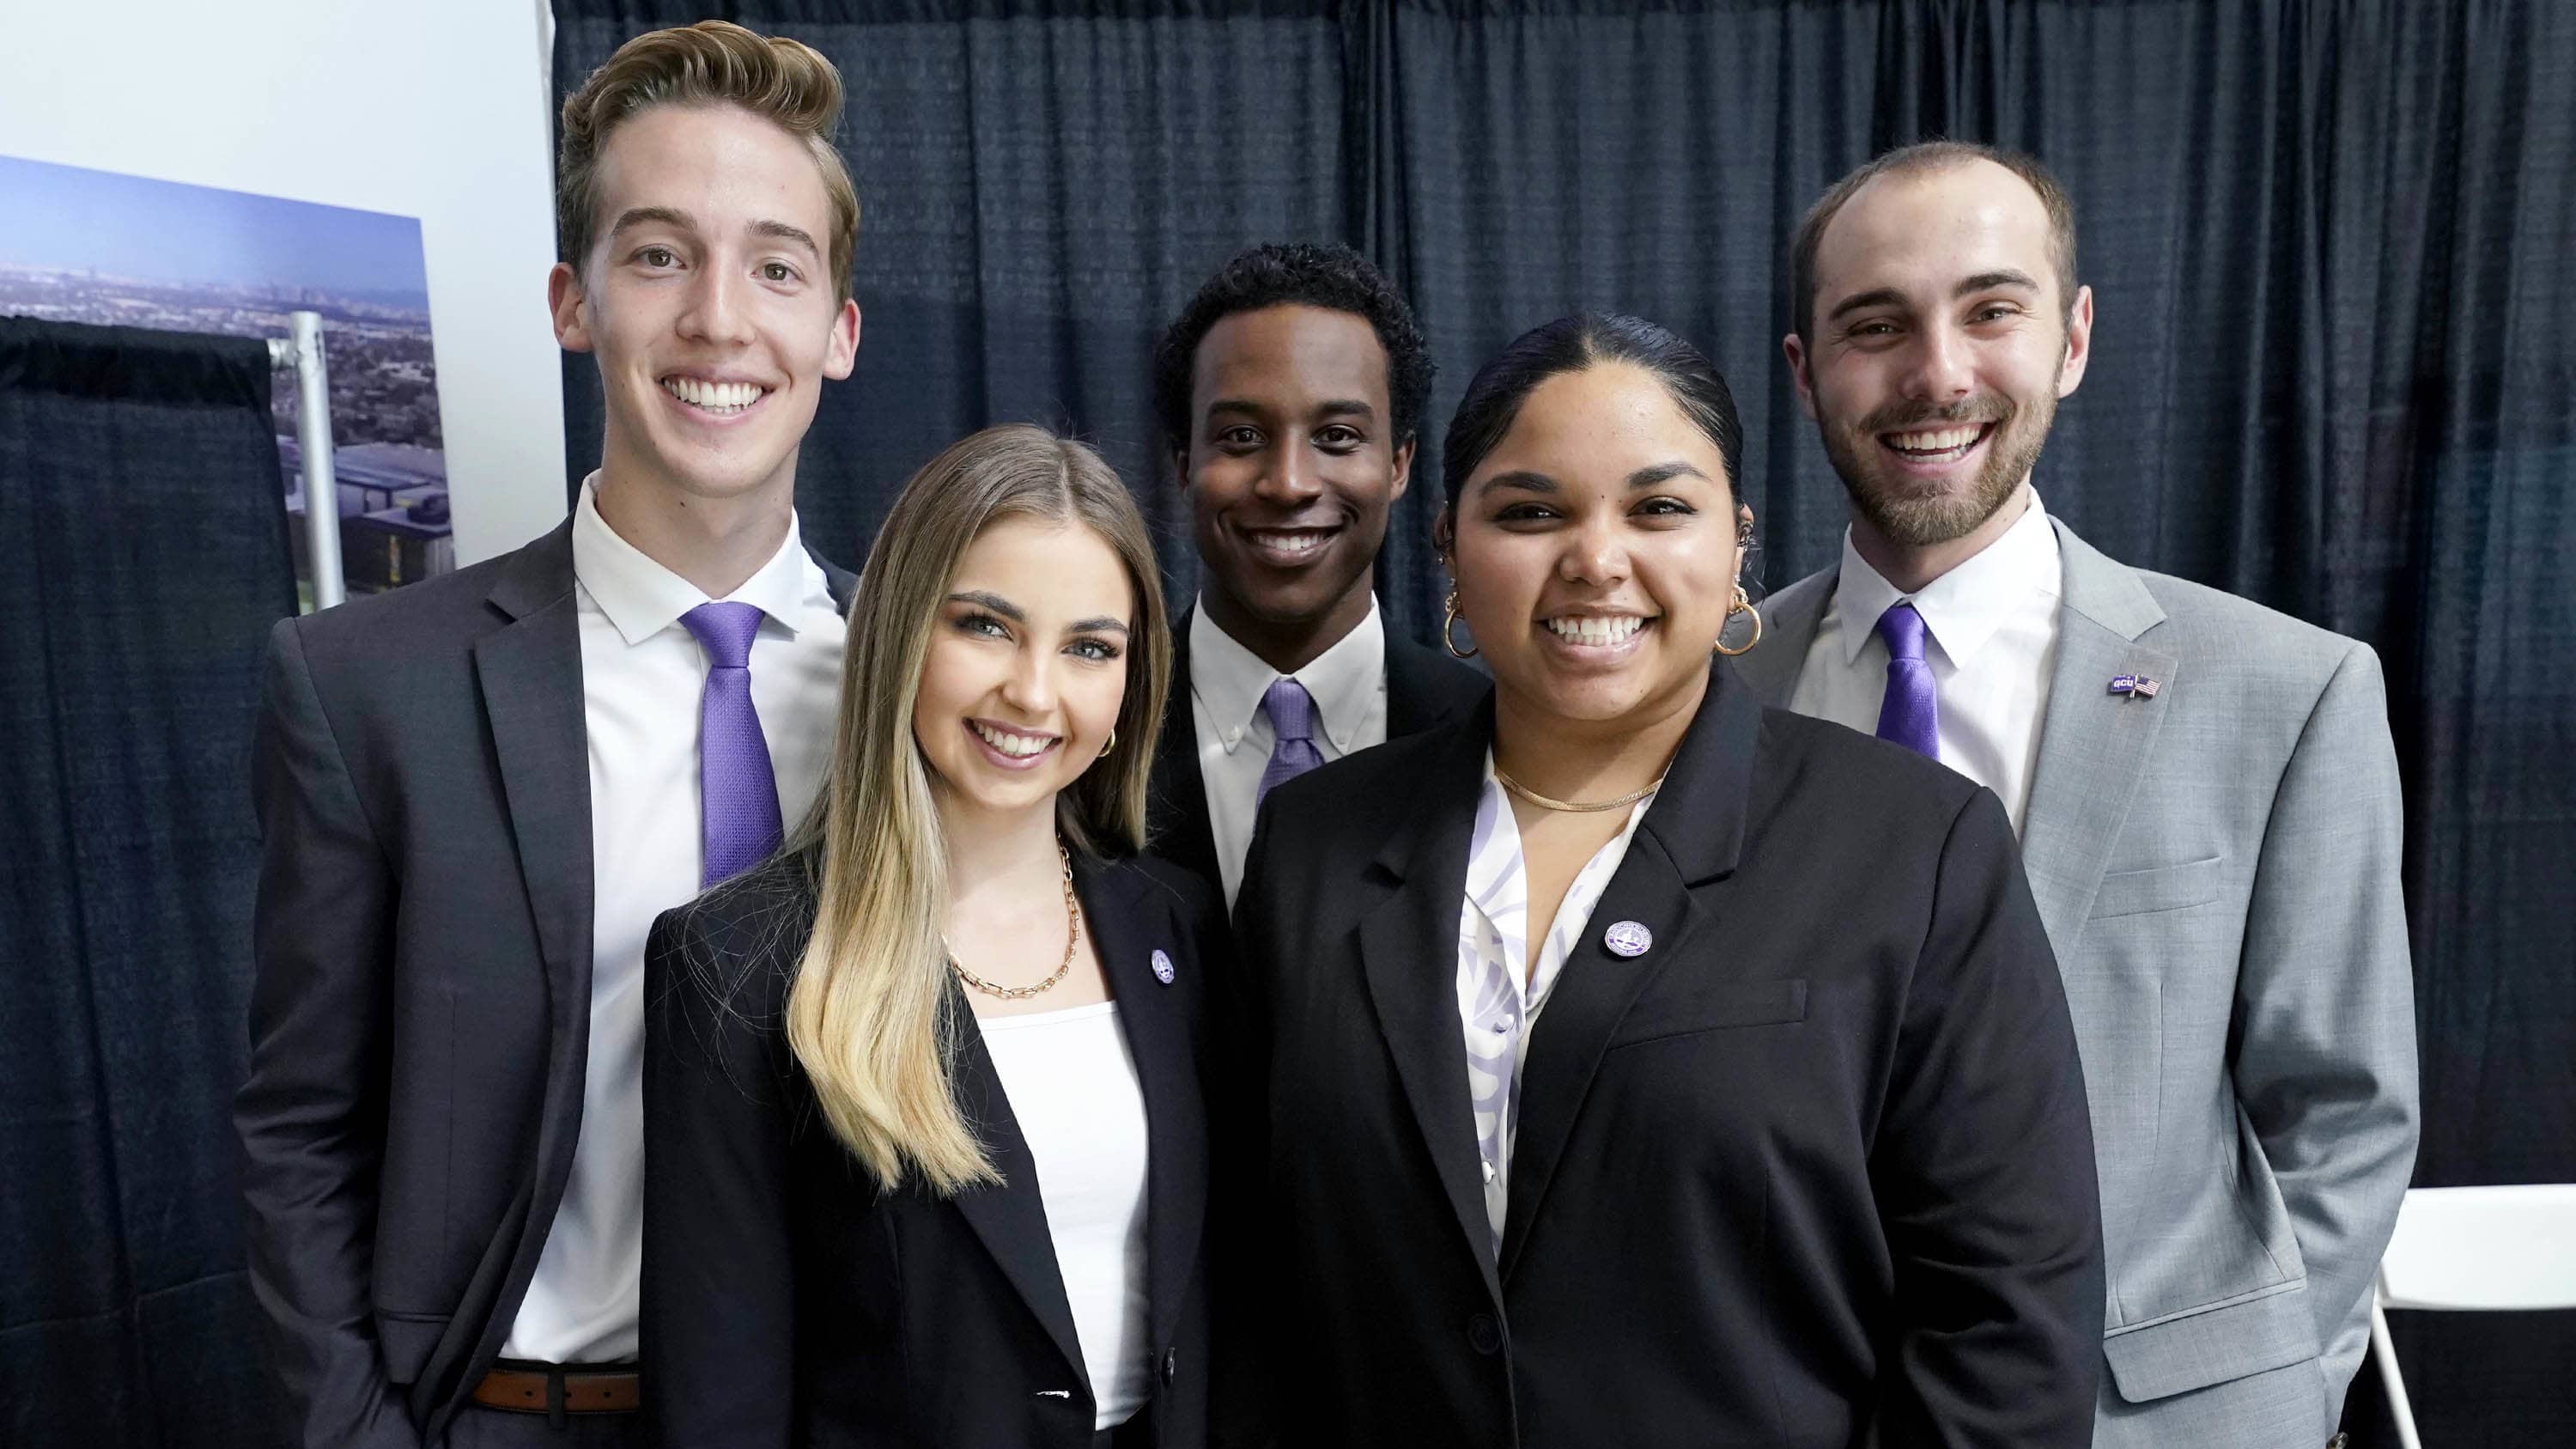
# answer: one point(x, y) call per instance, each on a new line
point(922, 1094)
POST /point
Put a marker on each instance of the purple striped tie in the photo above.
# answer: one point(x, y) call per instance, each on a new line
point(737, 793)
point(1292, 731)
point(1910, 714)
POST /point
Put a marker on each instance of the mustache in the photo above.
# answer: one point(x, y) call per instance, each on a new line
point(1899, 417)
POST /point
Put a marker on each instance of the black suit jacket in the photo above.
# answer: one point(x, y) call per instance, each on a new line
point(1814, 1169)
point(790, 1301)
point(1425, 689)
point(420, 1020)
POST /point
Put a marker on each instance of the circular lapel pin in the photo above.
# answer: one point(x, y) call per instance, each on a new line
point(1162, 967)
point(1627, 938)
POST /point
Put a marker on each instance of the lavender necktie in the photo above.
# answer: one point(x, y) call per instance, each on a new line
point(738, 796)
point(1292, 729)
point(1910, 714)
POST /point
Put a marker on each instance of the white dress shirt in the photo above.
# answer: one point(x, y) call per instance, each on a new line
point(1993, 627)
point(642, 675)
point(1501, 991)
point(1347, 683)
point(1073, 1090)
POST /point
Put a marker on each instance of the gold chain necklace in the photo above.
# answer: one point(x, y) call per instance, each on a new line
point(1573, 807)
point(1072, 938)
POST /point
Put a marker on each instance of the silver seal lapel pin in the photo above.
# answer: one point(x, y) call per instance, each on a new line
point(1162, 967)
point(1628, 938)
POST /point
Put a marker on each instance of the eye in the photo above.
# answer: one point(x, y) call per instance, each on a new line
point(1875, 328)
point(1097, 650)
point(658, 258)
point(982, 626)
point(1239, 437)
point(777, 272)
point(1661, 507)
point(1526, 513)
point(1339, 438)
point(1994, 311)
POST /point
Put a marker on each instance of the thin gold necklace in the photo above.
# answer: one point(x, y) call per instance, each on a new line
point(1572, 807)
point(1072, 937)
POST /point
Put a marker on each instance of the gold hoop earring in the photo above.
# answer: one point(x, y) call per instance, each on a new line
point(1449, 625)
point(1111, 745)
point(1740, 605)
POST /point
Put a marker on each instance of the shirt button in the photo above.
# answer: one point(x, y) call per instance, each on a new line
point(1233, 738)
point(1483, 1334)
point(1171, 1365)
point(1490, 1174)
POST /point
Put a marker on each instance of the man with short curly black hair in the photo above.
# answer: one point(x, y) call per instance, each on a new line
point(1290, 389)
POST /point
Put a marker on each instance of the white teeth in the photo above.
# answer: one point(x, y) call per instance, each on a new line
point(1016, 746)
point(1938, 440)
point(1595, 630)
point(714, 397)
point(1292, 543)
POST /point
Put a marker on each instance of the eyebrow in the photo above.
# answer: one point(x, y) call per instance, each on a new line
point(1334, 408)
point(1890, 297)
point(781, 231)
point(1646, 477)
point(648, 215)
point(984, 599)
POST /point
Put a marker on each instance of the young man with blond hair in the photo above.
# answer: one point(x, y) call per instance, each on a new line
point(477, 792)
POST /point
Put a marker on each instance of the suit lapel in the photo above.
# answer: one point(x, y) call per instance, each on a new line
point(2093, 744)
point(1789, 620)
point(1127, 929)
point(1409, 953)
point(1009, 1216)
point(1176, 796)
point(1424, 688)
point(1691, 836)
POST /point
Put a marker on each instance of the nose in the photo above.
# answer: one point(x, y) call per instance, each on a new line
point(1942, 373)
point(1288, 476)
point(1594, 553)
point(1030, 686)
point(717, 309)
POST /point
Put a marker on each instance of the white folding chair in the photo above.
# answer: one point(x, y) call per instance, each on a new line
point(2474, 1248)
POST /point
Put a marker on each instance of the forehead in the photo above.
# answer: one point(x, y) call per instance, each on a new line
point(1047, 566)
point(1289, 353)
point(1597, 426)
point(719, 163)
point(1922, 232)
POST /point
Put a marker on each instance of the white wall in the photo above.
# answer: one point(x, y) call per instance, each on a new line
point(433, 109)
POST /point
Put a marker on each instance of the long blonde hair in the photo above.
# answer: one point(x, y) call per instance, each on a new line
point(870, 1015)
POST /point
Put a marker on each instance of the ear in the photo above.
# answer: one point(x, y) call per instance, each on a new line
point(1796, 351)
point(1403, 470)
point(1444, 537)
point(2079, 343)
point(570, 307)
point(843, 354)
point(1181, 468)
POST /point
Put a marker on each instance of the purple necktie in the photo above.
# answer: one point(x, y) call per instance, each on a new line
point(738, 796)
point(1910, 715)
point(1292, 730)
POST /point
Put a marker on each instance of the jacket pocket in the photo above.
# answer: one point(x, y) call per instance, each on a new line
point(2268, 1329)
point(2165, 888)
point(1766, 1003)
point(408, 1339)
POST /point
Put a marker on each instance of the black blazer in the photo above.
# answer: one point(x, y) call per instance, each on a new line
point(790, 1301)
point(420, 1022)
point(1814, 1169)
point(1425, 689)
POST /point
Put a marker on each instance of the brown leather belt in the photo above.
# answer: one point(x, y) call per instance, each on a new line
point(552, 1391)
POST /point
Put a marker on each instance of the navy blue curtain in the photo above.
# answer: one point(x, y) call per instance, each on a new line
point(143, 556)
point(2334, 369)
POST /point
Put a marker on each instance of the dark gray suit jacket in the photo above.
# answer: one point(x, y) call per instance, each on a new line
point(420, 1021)
point(2217, 868)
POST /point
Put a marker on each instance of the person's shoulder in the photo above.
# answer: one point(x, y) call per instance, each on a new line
point(745, 935)
point(1188, 894)
point(433, 617)
point(1451, 683)
point(1363, 787)
point(1804, 754)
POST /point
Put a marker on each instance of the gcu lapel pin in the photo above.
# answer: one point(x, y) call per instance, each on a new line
point(2135, 686)
point(1162, 967)
point(1627, 938)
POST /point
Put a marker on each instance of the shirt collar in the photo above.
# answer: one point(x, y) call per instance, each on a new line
point(1963, 608)
point(1230, 679)
point(642, 598)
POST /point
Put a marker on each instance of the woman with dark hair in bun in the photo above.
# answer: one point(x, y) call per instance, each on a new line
point(1629, 1064)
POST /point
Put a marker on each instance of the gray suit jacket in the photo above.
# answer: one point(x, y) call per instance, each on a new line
point(420, 1019)
point(2217, 870)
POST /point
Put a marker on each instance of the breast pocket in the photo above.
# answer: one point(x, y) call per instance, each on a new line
point(1715, 1008)
point(2165, 888)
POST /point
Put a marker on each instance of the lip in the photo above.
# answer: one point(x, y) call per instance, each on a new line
point(1942, 465)
point(1265, 545)
point(1594, 656)
point(699, 417)
point(1014, 763)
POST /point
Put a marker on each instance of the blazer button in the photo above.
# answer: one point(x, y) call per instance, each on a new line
point(1484, 1335)
point(1171, 1365)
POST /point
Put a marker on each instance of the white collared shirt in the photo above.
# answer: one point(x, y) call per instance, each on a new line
point(1347, 683)
point(642, 676)
point(1501, 991)
point(1993, 631)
